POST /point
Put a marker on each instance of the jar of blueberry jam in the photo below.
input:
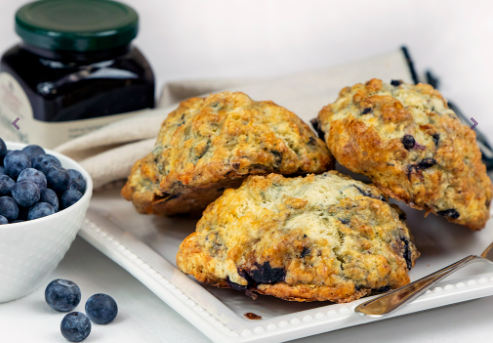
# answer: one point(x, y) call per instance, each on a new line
point(74, 71)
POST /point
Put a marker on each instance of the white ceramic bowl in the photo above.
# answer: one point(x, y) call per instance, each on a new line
point(31, 250)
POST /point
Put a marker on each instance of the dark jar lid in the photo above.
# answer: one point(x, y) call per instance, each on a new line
point(77, 25)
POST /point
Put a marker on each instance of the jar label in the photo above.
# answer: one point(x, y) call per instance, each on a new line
point(14, 104)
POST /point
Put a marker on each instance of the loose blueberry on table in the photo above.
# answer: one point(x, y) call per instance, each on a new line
point(101, 308)
point(62, 295)
point(75, 327)
point(33, 184)
point(3, 220)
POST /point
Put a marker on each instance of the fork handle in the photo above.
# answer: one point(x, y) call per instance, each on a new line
point(392, 301)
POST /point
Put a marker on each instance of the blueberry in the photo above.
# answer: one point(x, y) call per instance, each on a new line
point(34, 175)
point(48, 195)
point(382, 289)
point(76, 181)
point(239, 287)
point(427, 163)
point(317, 127)
point(406, 253)
point(26, 193)
point(3, 220)
point(41, 209)
point(305, 252)
point(33, 151)
point(58, 179)
point(265, 274)
point(62, 295)
point(367, 193)
point(17, 221)
point(6, 185)
point(15, 162)
point(101, 308)
point(2, 170)
point(70, 197)
point(3, 149)
point(366, 110)
point(236, 286)
point(44, 161)
point(408, 141)
point(396, 83)
point(452, 213)
point(436, 138)
point(9, 208)
point(75, 327)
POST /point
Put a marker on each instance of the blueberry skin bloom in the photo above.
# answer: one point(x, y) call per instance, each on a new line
point(41, 209)
point(48, 195)
point(6, 185)
point(76, 181)
point(62, 295)
point(70, 197)
point(26, 193)
point(9, 208)
point(33, 151)
point(45, 161)
point(2, 170)
point(3, 220)
point(58, 179)
point(15, 162)
point(101, 308)
point(75, 327)
point(3, 150)
point(34, 175)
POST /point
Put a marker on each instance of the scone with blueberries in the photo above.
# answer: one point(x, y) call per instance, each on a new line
point(412, 146)
point(209, 144)
point(316, 238)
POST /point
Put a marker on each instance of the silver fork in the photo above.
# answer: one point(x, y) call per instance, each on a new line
point(394, 300)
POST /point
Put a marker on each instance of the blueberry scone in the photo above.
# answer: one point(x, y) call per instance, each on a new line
point(412, 146)
point(314, 238)
point(210, 144)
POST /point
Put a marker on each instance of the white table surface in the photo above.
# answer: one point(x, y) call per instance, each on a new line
point(192, 39)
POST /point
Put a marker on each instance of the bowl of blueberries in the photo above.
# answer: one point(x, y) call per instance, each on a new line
point(44, 197)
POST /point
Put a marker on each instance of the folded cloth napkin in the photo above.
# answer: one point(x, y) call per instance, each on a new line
point(109, 153)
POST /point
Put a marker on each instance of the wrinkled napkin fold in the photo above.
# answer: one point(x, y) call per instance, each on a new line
point(109, 153)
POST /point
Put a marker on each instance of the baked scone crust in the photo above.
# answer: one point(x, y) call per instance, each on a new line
point(209, 144)
point(315, 238)
point(412, 146)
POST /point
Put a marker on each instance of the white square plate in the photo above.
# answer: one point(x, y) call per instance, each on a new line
point(146, 246)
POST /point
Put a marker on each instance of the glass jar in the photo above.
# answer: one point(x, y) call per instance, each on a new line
point(75, 71)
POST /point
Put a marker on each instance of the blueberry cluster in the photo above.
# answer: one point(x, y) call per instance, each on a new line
point(64, 296)
point(33, 184)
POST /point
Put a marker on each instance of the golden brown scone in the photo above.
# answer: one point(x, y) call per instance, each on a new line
point(314, 238)
point(412, 146)
point(210, 144)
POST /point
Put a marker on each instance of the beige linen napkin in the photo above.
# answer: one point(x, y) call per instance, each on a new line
point(109, 152)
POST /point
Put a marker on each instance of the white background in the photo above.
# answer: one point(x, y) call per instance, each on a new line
point(197, 39)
